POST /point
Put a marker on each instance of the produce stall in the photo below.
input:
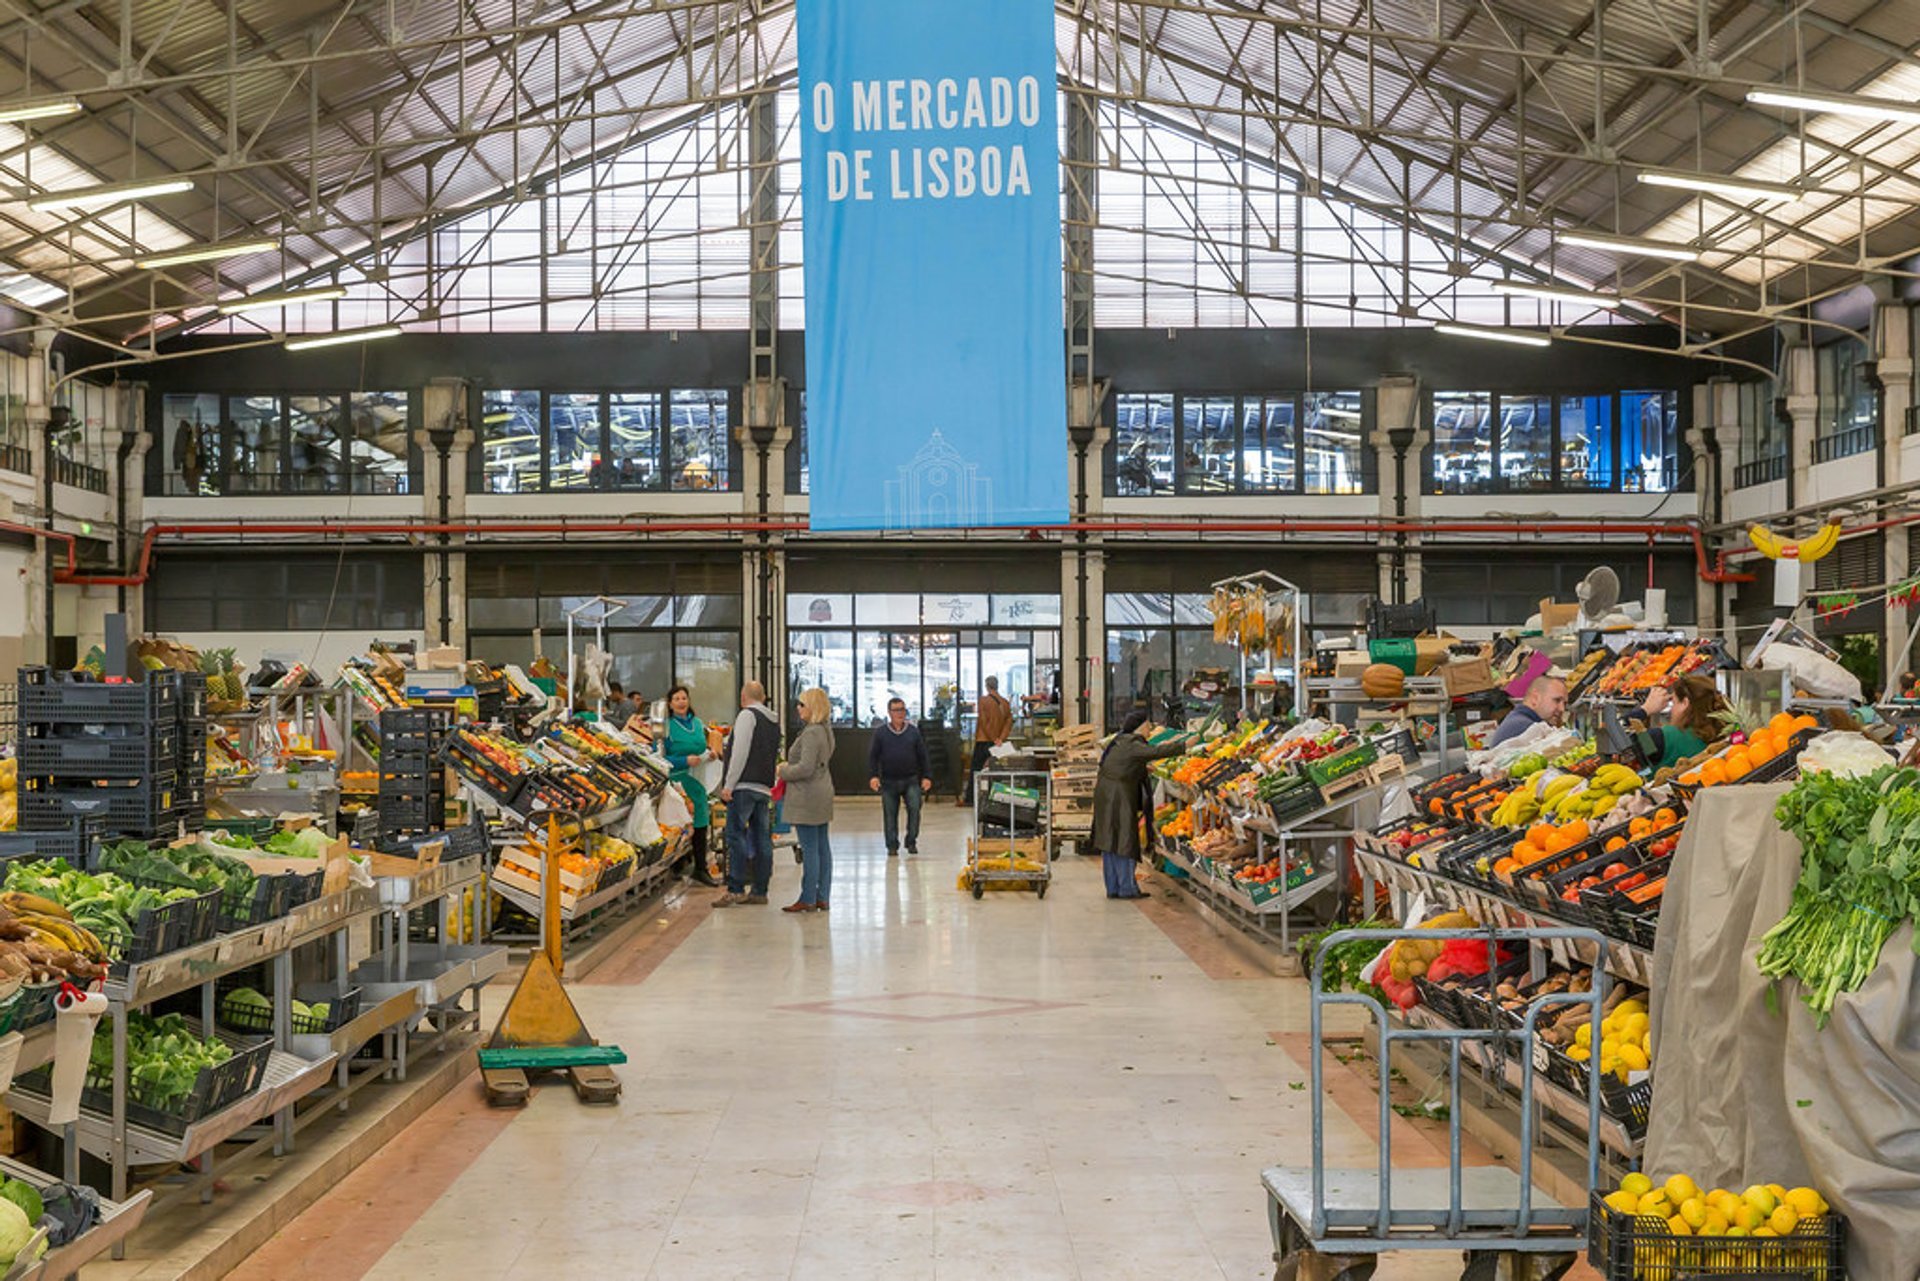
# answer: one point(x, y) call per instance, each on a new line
point(1544, 834)
point(1257, 823)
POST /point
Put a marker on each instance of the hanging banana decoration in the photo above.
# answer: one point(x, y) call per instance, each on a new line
point(1774, 547)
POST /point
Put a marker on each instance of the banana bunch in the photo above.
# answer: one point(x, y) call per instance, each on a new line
point(50, 925)
point(1520, 808)
point(1774, 547)
point(1608, 786)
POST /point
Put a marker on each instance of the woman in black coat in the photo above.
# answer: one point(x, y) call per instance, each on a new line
point(1116, 802)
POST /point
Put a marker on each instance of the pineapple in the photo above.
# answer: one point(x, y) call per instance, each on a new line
point(223, 676)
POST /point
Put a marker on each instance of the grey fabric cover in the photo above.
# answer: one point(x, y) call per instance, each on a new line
point(1744, 1094)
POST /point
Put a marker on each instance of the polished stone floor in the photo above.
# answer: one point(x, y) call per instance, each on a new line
point(913, 1085)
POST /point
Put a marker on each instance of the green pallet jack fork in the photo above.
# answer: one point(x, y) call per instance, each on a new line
point(540, 1030)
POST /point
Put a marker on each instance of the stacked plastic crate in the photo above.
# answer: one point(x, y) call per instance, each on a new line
point(190, 783)
point(105, 754)
point(413, 781)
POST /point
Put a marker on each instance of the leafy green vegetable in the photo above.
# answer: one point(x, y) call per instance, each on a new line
point(1859, 879)
point(164, 1057)
point(105, 903)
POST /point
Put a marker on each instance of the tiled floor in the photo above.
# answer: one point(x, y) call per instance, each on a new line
point(914, 1085)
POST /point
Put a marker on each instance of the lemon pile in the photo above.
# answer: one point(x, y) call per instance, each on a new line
point(1626, 1045)
point(1763, 1210)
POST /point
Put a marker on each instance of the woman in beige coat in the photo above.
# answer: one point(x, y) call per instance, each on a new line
point(808, 807)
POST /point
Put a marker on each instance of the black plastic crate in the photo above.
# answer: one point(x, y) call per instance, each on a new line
point(1626, 1247)
point(411, 813)
point(29, 1007)
point(75, 844)
point(218, 1087)
point(56, 751)
point(303, 887)
point(131, 809)
point(168, 928)
point(55, 698)
point(341, 1010)
point(468, 840)
point(268, 900)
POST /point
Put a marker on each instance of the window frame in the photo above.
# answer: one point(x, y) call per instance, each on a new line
point(1235, 443)
point(601, 477)
point(219, 472)
point(1674, 465)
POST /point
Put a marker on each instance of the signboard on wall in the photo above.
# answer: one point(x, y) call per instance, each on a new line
point(936, 371)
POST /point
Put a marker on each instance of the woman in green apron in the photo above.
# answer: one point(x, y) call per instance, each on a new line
point(686, 747)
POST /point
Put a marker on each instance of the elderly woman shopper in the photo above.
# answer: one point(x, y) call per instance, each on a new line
point(686, 747)
point(1117, 805)
point(808, 807)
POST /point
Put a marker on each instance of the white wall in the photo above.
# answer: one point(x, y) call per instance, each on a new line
point(1841, 479)
point(1756, 502)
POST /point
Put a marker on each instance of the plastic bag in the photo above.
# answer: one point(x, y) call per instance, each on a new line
point(1844, 753)
point(1815, 673)
point(672, 810)
point(643, 824)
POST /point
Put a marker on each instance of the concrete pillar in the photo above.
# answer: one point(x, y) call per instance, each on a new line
point(132, 480)
point(1894, 354)
point(38, 594)
point(1092, 675)
point(1400, 431)
point(1803, 407)
point(444, 425)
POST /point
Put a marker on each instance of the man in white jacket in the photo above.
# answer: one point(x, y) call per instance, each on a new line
point(750, 767)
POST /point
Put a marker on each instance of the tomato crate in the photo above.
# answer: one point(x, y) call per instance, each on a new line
point(1625, 1247)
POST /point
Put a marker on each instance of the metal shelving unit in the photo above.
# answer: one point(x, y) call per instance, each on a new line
point(290, 1076)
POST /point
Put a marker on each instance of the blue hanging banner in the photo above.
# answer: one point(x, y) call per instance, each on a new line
point(930, 174)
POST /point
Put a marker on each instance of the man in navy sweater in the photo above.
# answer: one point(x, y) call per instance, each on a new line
point(898, 769)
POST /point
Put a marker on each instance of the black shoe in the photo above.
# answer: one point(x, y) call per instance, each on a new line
point(913, 849)
point(703, 877)
point(893, 853)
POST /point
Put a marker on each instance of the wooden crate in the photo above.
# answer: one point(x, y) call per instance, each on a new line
point(1034, 847)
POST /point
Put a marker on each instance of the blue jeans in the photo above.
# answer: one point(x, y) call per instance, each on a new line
point(1121, 873)
point(749, 843)
point(892, 790)
point(816, 856)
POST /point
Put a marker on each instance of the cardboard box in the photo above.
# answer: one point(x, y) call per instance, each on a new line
point(1467, 676)
point(1430, 652)
point(1554, 616)
point(443, 658)
point(1349, 665)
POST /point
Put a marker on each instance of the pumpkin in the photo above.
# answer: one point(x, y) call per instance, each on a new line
point(1383, 680)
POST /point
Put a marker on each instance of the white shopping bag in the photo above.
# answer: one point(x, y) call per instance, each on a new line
point(643, 826)
point(672, 810)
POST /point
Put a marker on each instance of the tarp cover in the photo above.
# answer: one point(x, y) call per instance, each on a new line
point(1743, 1094)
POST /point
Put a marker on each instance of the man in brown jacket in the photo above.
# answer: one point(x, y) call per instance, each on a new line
point(993, 720)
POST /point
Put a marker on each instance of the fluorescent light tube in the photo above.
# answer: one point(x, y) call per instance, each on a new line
point(1737, 188)
point(206, 253)
point(1629, 245)
point(46, 109)
point(253, 302)
point(1839, 104)
point(119, 193)
point(344, 336)
point(1555, 293)
point(1517, 337)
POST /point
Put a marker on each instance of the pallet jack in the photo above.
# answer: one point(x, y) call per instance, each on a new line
point(540, 1030)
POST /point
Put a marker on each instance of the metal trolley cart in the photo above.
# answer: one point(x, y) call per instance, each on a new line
point(1012, 837)
point(1330, 1224)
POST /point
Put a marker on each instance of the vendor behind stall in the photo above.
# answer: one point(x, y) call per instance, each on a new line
point(1691, 706)
point(1546, 700)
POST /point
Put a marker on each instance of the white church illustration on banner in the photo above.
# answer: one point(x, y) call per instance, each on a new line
point(937, 487)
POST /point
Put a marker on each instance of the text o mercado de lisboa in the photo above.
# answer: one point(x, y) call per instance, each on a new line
point(957, 171)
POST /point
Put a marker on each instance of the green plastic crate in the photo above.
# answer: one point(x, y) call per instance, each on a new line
point(1399, 651)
